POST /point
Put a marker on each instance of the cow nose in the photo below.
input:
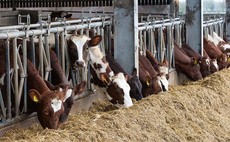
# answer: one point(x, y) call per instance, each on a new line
point(80, 63)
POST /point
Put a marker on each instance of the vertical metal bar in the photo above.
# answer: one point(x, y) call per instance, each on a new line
point(32, 51)
point(41, 67)
point(8, 91)
point(16, 77)
point(57, 45)
point(2, 106)
point(63, 50)
point(25, 71)
point(48, 66)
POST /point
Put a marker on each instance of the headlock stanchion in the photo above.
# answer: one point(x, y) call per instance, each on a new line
point(42, 36)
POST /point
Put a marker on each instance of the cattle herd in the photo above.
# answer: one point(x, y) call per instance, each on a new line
point(52, 100)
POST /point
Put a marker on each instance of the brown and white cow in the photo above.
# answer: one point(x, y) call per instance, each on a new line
point(133, 80)
point(185, 64)
point(59, 80)
point(103, 77)
point(47, 103)
point(215, 53)
point(219, 42)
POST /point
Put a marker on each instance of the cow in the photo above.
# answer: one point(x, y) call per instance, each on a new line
point(215, 53)
point(60, 14)
point(160, 77)
point(133, 80)
point(185, 64)
point(204, 61)
point(83, 49)
point(219, 42)
point(59, 80)
point(47, 103)
point(160, 67)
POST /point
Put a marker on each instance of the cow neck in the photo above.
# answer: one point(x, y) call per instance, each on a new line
point(115, 66)
point(55, 65)
point(35, 81)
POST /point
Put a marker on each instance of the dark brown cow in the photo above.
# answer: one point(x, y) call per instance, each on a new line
point(133, 80)
point(185, 64)
point(158, 83)
point(204, 62)
point(160, 67)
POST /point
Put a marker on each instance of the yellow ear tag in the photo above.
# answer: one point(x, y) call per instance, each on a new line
point(228, 59)
point(147, 82)
point(195, 62)
point(35, 99)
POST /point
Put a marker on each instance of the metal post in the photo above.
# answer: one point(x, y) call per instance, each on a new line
point(228, 19)
point(126, 33)
point(194, 25)
point(16, 93)
point(8, 91)
point(24, 49)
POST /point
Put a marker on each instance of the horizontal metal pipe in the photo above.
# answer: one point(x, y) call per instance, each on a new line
point(6, 35)
point(45, 24)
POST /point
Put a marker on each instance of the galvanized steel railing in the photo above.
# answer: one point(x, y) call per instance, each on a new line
point(159, 35)
point(214, 25)
point(17, 79)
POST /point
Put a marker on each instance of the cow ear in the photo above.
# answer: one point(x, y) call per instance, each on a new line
point(134, 73)
point(49, 85)
point(105, 78)
point(78, 89)
point(95, 40)
point(34, 95)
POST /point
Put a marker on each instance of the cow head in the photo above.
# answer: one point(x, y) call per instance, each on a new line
point(60, 14)
point(135, 86)
point(49, 107)
point(205, 66)
point(119, 90)
point(69, 94)
point(80, 43)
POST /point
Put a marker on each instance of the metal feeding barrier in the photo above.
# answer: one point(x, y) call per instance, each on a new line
point(39, 35)
point(214, 25)
point(158, 36)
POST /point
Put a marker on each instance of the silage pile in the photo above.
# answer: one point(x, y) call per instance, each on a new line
point(198, 111)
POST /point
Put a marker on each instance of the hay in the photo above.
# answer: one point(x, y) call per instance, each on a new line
point(198, 111)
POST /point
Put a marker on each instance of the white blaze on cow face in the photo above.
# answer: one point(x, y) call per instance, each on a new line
point(207, 61)
point(79, 41)
point(122, 83)
point(56, 104)
point(163, 69)
point(68, 94)
point(163, 82)
point(215, 64)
